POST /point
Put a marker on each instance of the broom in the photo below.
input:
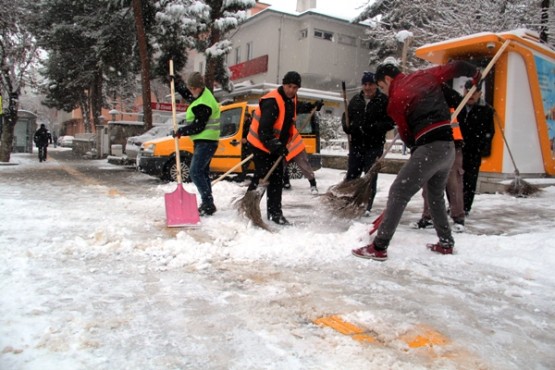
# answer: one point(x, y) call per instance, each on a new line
point(518, 187)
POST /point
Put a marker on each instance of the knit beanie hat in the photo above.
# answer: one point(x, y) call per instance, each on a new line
point(368, 77)
point(195, 80)
point(292, 77)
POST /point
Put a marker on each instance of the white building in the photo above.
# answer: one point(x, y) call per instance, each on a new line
point(324, 49)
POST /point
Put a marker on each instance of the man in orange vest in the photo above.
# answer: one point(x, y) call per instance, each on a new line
point(454, 186)
point(273, 136)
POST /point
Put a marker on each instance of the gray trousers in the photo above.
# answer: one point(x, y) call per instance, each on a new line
point(428, 164)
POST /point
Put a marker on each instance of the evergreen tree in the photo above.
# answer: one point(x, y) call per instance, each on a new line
point(86, 42)
point(203, 26)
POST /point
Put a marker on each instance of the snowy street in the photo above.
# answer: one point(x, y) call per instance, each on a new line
point(90, 278)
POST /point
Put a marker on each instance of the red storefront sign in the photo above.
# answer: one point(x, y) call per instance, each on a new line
point(168, 107)
point(249, 68)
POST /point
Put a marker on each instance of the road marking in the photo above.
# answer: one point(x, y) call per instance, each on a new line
point(421, 336)
point(337, 323)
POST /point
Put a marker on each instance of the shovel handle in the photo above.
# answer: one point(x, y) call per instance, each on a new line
point(265, 179)
point(174, 119)
point(232, 169)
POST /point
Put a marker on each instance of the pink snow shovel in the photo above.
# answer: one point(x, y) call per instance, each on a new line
point(181, 206)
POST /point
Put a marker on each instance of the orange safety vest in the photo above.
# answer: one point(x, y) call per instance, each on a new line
point(457, 134)
point(295, 144)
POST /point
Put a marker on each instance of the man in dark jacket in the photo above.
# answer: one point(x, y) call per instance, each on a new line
point(273, 136)
point(418, 107)
point(476, 122)
point(42, 138)
point(367, 126)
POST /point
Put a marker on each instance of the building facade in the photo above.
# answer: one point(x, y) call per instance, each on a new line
point(325, 50)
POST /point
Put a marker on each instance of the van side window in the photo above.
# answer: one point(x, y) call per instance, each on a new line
point(229, 122)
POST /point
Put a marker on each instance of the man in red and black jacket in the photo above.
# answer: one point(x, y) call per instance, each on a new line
point(418, 107)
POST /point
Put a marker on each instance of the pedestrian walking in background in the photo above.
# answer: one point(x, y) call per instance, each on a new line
point(273, 135)
point(476, 121)
point(42, 138)
point(418, 107)
point(202, 125)
point(368, 125)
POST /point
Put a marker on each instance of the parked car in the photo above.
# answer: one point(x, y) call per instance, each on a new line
point(66, 141)
point(134, 143)
point(157, 157)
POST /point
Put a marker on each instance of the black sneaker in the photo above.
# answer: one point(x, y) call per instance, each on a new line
point(206, 209)
point(278, 219)
point(423, 223)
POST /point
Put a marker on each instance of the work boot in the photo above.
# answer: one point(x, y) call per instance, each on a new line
point(278, 219)
point(206, 209)
point(440, 248)
point(370, 252)
point(423, 223)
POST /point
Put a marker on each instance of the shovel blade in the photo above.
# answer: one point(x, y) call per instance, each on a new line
point(181, 208)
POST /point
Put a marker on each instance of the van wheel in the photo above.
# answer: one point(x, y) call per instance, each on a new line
point(294, 171)
point(170, 171)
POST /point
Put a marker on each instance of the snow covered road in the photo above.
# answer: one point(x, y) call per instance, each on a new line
point(90, 278)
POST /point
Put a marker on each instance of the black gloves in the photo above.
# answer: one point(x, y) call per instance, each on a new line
point(277, 148)
point(319, 104)
point(176, 134)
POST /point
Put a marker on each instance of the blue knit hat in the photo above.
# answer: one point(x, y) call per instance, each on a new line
point(368, 77)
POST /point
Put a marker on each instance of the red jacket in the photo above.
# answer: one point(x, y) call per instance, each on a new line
point(418, 106)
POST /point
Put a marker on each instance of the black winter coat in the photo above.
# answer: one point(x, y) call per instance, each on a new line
point(368, 123)
point(42, 137)
point(477, 129)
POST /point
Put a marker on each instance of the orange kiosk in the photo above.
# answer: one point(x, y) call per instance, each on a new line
point(521, 89)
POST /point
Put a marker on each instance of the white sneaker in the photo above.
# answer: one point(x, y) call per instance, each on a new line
point(458, 228)
point(367, 213)
point(313, 190)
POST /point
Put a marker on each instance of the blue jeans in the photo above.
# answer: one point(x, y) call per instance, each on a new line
point(200, 168)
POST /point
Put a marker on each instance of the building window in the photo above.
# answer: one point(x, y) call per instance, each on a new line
point(237, 55)
point(326, 35)
point(249, 50)
point(346, 40)
point(303, 34)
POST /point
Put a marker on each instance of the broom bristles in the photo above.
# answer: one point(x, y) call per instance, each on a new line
point(348, 198)
point(521, 188)
point(249, 206)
